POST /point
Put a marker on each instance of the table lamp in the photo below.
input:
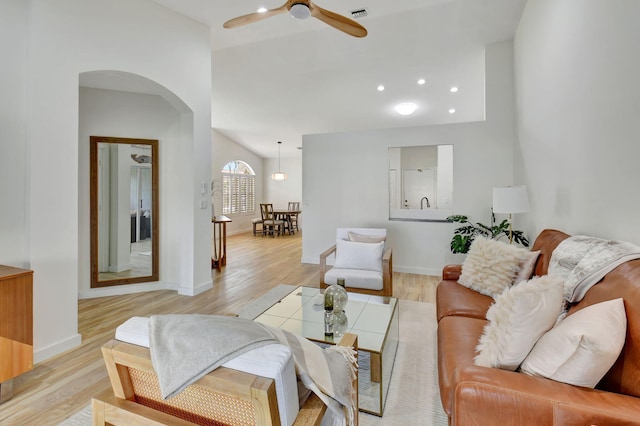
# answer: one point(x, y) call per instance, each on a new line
point(511, 200)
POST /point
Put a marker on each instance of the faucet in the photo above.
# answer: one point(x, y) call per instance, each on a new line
point(423, 199)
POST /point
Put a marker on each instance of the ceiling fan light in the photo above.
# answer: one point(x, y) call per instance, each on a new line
point(300, 11)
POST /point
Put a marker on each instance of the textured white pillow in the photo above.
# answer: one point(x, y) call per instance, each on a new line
point(491, 266)
point(583, 347)
point(361, 238)
point(355, 255)
point(527, 265)
point(520, 315)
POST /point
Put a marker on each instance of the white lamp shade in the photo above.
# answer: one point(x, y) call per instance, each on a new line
point(279, 176)
point(510, 199)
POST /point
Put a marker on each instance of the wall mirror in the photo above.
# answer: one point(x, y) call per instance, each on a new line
point(124, 210)
point(421, 183)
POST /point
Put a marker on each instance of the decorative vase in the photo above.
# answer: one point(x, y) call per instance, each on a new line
point(336, 296)
point(340, 323)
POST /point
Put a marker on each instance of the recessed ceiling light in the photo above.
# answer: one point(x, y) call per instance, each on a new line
point(454, 89)
point(380, 88)
point(452, 111)
point(406, 108)
point(262, 10)
point(421, 81)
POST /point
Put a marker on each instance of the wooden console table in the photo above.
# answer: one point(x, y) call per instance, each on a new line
point(219, 258)
point(16, 326)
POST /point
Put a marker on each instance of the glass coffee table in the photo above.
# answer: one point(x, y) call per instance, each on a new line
point(373, 318)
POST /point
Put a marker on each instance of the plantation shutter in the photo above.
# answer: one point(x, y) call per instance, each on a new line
point(238, 192)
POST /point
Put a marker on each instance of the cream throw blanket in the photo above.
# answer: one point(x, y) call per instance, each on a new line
point(184, 348)
point(583, 261)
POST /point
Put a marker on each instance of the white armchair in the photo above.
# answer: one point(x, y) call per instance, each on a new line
point(362, 258)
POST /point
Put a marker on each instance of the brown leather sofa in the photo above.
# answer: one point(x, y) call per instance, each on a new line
point(473, 395)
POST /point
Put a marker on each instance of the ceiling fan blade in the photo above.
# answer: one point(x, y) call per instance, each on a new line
point(255, 17)
point(339, 22)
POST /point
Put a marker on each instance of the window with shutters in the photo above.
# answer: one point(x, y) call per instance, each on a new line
point(238, 188)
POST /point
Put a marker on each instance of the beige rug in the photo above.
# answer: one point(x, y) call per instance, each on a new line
point(413, 393)
point(413, 397)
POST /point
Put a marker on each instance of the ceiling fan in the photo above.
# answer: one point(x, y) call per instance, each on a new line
point(302, 9)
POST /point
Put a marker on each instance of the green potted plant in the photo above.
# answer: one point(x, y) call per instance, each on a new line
point(465, 234)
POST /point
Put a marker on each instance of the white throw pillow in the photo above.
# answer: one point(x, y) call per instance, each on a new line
point(520, 315)
point(583, 347)
point(355, 255)
point(527, 265)
point(491, 266)
point(361, 238)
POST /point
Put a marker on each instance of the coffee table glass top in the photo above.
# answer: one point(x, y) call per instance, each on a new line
point(302, 312)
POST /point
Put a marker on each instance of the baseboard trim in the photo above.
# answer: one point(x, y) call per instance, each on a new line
point(194, 291)
point(57, 348)
point(123, 289)
point(418, 271)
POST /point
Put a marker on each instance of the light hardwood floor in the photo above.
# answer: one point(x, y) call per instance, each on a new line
point(61, 386)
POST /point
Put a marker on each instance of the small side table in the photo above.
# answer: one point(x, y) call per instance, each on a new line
point(219, 258)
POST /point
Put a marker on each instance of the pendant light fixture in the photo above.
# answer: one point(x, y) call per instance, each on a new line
point(279, 176)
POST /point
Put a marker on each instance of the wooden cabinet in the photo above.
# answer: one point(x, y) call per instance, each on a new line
point(16, 326)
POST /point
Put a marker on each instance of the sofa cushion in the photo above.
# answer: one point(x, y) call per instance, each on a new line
point(362, 238)
point(455, 299)
point(356, 255)
point(583, 347)
point(519, 317)
point(457, 340)
point(527, 266)
point(356, 278)
point(491, 266)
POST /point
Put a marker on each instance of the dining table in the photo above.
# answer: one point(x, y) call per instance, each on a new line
point(285, 215)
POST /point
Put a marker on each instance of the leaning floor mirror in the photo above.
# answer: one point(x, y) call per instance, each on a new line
point(123, 211)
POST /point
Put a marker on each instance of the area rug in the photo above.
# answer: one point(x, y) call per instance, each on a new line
point(413, 397)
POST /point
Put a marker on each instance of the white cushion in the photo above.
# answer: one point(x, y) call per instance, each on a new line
point(272, 361)
point(517, 319)
point(362, 238)
point(582, 347)
point(343, 233)
point(356, 278)
point(135, 330)
point(527, 265)
point(491, 266)
point(355, 255)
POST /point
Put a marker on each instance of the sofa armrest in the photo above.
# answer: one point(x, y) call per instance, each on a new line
point(323, 263)
point(493, 396)
point(451, 272)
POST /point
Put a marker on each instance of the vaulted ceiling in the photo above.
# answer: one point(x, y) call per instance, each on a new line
point(281, 78)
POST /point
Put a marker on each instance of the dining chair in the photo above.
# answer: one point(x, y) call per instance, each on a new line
point(270, 224)
point(294, 206)
point(255, 222)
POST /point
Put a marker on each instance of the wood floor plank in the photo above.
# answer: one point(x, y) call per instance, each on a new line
point(61, 386)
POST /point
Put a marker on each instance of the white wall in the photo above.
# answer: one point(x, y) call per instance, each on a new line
point(224, 150)
point(132, 115)
point(267, 191)
point(577, 68)
point(280, 193)
point(345, 176)
point(64, 39)
point(14, 178)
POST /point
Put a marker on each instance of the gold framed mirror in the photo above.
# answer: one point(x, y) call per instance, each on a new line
point(124, 210)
